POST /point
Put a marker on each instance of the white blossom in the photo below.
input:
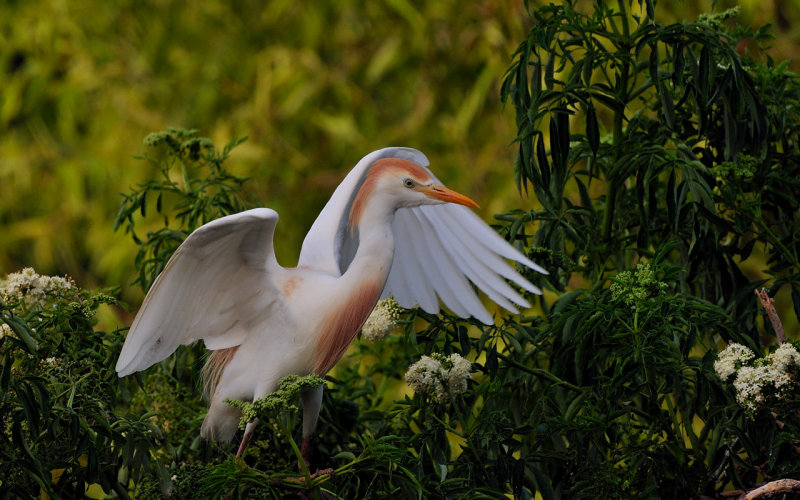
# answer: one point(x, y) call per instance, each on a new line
point(752, 384)
point(31, 288)
point(748, 385)
point(6, 330)
point(758, 381)
point(785, 356)
point(425, 376)
point(732, 356)
point(382, 320)
point(443, 377)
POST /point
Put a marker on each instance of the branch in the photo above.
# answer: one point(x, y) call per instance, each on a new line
point(769, 306)
point(772, 489)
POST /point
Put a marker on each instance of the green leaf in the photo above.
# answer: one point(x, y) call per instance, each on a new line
point(22, 331)
point(544, 165)
point(592, 130)
point(345, 455)
point(672, 202)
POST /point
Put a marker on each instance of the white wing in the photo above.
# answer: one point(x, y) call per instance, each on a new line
point(214, 287)
point(440, 250)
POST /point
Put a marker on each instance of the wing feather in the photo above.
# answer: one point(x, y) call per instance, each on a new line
point(449, 274)
point(469, 259)
point(215, 287)
point(428, 268)
point(490, 247)
point(397, 275)
point(453, 246)
point(466, 220)
point(418, 289)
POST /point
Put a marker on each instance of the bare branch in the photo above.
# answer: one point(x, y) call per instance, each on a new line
point(772, 489)
point(769, 306)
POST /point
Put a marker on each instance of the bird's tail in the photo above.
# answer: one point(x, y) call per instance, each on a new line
point(222, 420)
point(212, 370)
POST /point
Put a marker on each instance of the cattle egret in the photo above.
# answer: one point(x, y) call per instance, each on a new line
point(390, 227)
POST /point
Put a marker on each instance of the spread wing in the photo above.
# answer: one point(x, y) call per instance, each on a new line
point(440, 250)
point(215, 287)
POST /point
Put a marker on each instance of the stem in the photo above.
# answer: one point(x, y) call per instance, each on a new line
point(774, 488)
point(775, 241)
point(119, 489)
point(608, 214)
point(769, 306)
point(298, 454)
point(623, 77)
point(540, 373)
point(619, 116)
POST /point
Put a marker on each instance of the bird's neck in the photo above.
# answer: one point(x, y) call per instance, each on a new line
point(375, 252)
point(358, 290)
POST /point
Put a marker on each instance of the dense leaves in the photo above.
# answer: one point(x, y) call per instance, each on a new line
point(662, 146)
point(61, 430)
point(665, 164)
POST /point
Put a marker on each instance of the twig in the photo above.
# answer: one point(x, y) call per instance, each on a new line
point(769, 306)
point(732, 494)
point(772, 489)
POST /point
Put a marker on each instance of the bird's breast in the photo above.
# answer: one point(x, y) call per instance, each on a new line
point(339, 326)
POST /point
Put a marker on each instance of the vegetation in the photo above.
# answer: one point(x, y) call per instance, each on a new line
point(663, 159)
point(670, 153)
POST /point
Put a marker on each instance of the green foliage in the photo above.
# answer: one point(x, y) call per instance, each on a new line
point(60, 428)
point(666, 166)
point(204, 191)
point(283, 400)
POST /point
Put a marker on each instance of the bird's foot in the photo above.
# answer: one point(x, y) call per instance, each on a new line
point(322, 472)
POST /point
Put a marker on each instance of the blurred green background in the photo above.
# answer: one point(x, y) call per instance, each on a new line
point(314, 85)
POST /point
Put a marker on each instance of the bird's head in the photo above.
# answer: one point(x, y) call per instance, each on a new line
point(401, 183)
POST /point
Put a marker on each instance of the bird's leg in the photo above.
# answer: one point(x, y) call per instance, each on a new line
point(305, 451)
point(248, 432)
point(312, 401)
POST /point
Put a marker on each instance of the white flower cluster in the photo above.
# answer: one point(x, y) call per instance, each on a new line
point(730, 359)
point(31, 288)
point(382, 320)
point(6, 330)
point(758, 379)
point(443, 377)
point(785, 356)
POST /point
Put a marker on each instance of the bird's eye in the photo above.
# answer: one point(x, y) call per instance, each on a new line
point(409, 183)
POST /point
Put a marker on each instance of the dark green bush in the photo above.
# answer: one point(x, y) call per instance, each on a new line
point(665, 164)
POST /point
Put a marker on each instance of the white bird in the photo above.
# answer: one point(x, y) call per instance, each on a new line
point(389, 228)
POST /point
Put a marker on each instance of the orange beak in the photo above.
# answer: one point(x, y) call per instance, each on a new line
point(448, 195)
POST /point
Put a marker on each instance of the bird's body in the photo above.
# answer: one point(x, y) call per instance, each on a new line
point(390, 227)
point(313, 325)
